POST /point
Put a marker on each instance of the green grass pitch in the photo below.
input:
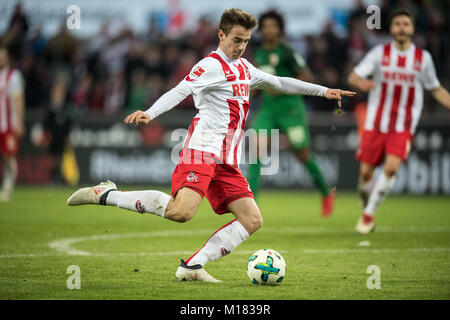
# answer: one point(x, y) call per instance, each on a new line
point(125, 255)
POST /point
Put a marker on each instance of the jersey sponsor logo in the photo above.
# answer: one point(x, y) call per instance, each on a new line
point(240, 90)
point(192, 177)
point(399, 76)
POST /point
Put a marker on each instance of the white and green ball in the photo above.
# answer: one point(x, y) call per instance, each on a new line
point(266, 267)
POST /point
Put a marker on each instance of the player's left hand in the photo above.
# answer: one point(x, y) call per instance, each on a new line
point(337, 94)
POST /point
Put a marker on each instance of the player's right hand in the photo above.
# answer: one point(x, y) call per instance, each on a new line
point(137, 117)
point(366, 85)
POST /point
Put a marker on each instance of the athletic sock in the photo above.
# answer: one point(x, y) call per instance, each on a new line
point(379, 192)
point(254, 176)
point(221, 243)
point(317, 176)
point(151, 201)
point(364, 187)
point(364, 191)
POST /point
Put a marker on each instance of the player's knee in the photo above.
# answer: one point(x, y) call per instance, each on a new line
point(390, 172)
point(179, 213)
point(183, 215)
point(366, 175)
point(258, 222)
point(255, 222)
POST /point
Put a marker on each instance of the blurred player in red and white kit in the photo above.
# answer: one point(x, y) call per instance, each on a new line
point(12, 128)
point(208, 162)
point(400, 71)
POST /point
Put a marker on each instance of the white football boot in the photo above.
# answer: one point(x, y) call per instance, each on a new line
point(92, 195)
point(366, 224)
point(193, 273)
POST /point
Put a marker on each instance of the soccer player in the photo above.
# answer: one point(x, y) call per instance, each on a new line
point(286, 112)
point(208, 163)
point(12, 128)
point(400, 71)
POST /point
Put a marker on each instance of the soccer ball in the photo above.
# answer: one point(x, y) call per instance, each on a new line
point(267, 267)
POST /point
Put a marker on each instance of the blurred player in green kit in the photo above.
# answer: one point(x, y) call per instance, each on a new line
point(285, 112)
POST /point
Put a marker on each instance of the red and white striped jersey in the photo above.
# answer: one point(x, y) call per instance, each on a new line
point(395, 104)
point(221, 89)
point(10, 85)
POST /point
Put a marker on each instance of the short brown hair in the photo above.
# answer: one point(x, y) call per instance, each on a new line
point(232, 17)
point(401, 12)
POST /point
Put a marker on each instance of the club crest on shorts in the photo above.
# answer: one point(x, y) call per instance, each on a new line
point(139, 207)
point(192, 177)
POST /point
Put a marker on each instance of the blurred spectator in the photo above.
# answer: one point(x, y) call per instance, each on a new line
point(138, 93)
point(114, 97)
point(15, 36)
point(118, 71)
point(57, 125)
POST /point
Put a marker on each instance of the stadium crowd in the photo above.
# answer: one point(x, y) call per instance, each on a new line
point(119, 71)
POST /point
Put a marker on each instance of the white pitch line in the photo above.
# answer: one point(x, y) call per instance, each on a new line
point(64, 246)
point(238, 252)
point(369, 250)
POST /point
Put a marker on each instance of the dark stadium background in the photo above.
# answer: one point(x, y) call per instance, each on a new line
point(82, 82)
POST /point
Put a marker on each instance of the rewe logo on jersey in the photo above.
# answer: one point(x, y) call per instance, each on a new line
point(241, 90)
point(399, 76)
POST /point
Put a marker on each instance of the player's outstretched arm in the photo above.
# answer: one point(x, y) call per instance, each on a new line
point(165, 103)
point(442, 96)
point(287, 85)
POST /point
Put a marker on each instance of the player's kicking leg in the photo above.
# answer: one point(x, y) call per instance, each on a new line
point(223, 241)
point(180, 208)
point(380, 190)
